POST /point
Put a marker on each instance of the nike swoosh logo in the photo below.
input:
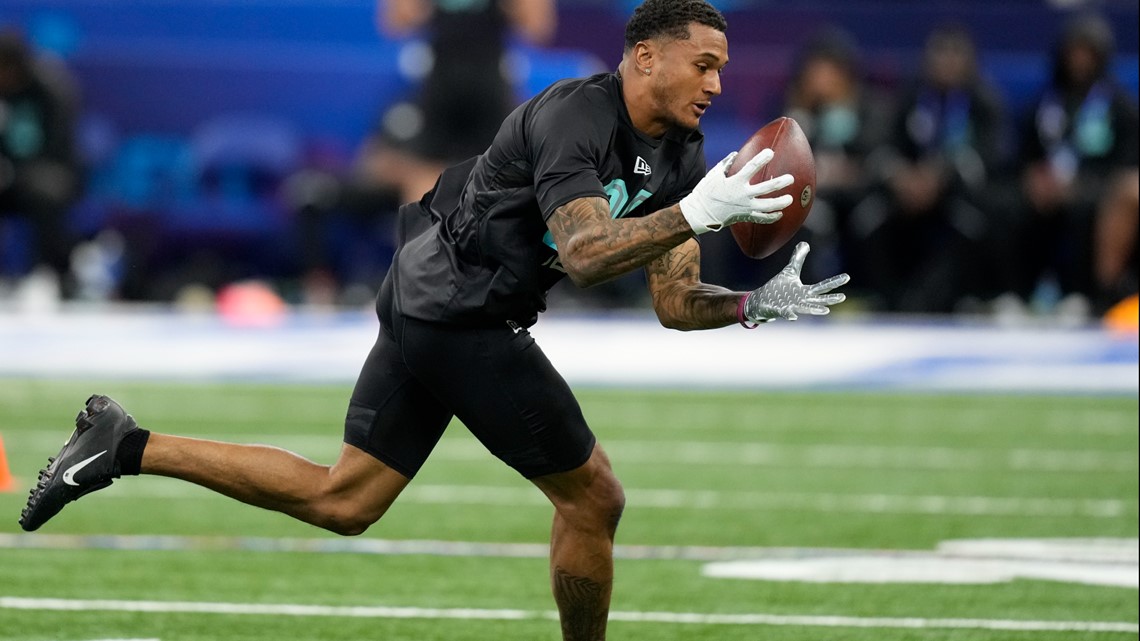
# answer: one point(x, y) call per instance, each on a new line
point(69, 473)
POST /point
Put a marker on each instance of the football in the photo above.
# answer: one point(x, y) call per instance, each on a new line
point(792, 156)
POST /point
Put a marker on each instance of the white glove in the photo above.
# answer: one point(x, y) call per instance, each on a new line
point(786, 297)
point(719, 200)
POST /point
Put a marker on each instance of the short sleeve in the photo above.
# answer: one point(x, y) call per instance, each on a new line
point(567, 140)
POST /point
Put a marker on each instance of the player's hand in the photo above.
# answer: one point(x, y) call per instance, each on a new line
point(720, 200)
point(786, 297)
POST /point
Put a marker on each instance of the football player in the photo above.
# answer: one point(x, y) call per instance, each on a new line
point(590, 179)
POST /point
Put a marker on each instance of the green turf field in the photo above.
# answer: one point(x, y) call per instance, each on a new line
point(709, 476)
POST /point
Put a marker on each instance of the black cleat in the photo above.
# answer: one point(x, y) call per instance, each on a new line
point(86, 463)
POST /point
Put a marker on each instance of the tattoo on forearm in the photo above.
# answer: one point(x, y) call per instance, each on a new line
point(583, 605)
point(602, 249)
point(680, 299)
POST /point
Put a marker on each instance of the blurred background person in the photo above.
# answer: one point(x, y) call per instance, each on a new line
point(844, 119)
point(465, 94)
point(40, 177)
point(1117, 224)
point(467, 91)
point(1080, 133)
point(920, 240)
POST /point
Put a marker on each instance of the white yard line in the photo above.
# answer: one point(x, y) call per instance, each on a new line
point(1100, 550)
point(837, 456)
point(692, 618)
point(642, 498)
point(791, 501)
point(402, 547)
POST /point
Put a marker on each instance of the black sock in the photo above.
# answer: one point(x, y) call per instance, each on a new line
point(131, 451)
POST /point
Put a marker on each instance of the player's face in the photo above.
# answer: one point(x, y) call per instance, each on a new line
point(688, 75)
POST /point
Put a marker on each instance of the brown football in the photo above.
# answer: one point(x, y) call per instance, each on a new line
point(792, 156)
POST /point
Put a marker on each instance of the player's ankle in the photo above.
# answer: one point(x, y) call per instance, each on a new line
point(130, 451)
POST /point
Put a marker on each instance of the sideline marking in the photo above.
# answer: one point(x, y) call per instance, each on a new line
point(831, 456)
point(931, 569)
point(647, 498)
point(390, 612)
point(1091, 561)
point(1097, 561)
point(177, 543)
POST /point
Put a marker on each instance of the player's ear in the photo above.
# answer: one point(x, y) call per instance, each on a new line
point(642, 56)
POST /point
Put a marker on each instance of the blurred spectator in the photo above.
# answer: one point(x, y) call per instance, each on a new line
point(1080, 134)
point(39, 165)
point(1115, 264)
point(462, 100)
point(466, 93)
point(844, 120)
point(920, 240)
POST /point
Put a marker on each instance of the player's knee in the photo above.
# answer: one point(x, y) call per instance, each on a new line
point(613, 505)
point(346, 522)
point(344, 516)
point(603, 506)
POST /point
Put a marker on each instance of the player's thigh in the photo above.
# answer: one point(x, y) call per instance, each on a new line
point(393, 416)
point(503, 388)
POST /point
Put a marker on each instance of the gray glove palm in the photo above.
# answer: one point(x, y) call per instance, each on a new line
point(786, 297)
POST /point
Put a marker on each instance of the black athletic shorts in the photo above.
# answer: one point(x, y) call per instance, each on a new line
point(496, 380)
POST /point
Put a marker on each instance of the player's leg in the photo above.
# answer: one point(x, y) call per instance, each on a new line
point(588, 503)
point(392, 425)
point(505, 390)
point(345, 498)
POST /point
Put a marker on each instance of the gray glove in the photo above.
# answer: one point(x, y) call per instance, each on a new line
point(786, 297)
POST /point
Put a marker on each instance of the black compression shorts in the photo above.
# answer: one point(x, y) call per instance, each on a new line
point(497, 381)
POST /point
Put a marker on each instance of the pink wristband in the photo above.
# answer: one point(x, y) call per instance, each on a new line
point(744, 322)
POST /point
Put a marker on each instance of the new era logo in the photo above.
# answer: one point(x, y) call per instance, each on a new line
point(642, 167)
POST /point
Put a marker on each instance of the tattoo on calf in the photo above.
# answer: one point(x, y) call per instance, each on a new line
point(582, 604)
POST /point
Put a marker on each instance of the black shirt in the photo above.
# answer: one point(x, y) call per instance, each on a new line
point(468, 34)
point(487, 256)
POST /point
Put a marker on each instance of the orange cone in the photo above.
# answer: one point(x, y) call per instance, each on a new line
point(1124, 317)
point(7, 482)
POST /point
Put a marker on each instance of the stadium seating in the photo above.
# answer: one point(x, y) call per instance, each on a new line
point(157, 77)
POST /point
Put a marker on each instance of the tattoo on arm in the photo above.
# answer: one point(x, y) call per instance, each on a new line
point(595, 248)
point(680, 299)
point(582, 605)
